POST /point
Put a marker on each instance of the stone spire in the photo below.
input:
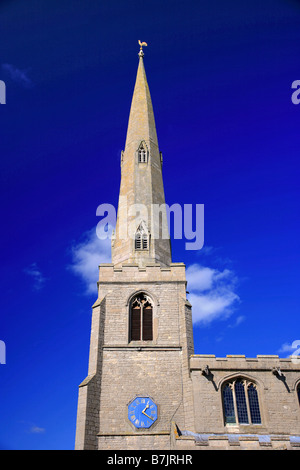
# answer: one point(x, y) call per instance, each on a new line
point(141, 232)
point(141, 125)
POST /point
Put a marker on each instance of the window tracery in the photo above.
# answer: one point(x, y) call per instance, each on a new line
point(141, 318)
point(141, 241)
point(142, 153)
point(240, 402)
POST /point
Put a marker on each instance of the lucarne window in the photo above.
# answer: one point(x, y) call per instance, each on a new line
point(141, 241)
point(142, 153)
point(240, 402)
point(141, 319)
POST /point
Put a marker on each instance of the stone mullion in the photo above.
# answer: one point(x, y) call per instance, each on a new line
point(234, 403)
point(246, 385)
point(142, 318)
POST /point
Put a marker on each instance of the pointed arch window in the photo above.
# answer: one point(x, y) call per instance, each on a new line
point(141, 318)
point(142, 153)
point(141, 241)
point(240, 402)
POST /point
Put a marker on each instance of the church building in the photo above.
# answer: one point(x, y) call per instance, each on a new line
point(146, 389)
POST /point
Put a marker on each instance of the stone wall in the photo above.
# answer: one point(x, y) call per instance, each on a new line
point(278, 400)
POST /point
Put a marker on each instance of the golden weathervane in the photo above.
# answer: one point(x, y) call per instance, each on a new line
point(141, 53)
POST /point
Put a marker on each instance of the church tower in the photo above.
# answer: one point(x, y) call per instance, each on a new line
point(138, 386)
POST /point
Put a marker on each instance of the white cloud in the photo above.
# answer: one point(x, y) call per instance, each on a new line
point(38, 278)
point(86, 257)
point(293, 348)
point(199, 278)
point(212, 293)
point(36, 430)
point(286, 347)
point(207, 250)
point(17, 75)
point(31, 428)
point(237, 322)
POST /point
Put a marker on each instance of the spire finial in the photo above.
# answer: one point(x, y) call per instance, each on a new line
point(141, 53)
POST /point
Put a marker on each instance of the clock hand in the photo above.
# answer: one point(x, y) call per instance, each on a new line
point(147, 415)
point(143, 412)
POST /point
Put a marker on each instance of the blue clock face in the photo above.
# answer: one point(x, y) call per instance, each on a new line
point(142, 412)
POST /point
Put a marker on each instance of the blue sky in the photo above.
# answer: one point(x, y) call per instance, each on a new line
point(220, 77)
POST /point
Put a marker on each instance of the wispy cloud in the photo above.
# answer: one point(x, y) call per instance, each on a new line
point(87, 254)
point(290, 349)
point(36, 430)
point(240, 319)
point(214, 254)
point(38, 279)
point(286, 347)
point(212, 293)
point(31, 428)
point(206, 250)
point(17, 75)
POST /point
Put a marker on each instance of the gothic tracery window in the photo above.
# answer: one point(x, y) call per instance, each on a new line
point(142, 153)
point(141, 241)
point(240, 402)
point(141, 318)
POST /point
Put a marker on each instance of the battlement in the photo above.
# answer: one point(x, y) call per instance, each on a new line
point(241, 362)
point(130, 272)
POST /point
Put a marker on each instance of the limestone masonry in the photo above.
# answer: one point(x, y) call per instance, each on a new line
point(145, 388)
